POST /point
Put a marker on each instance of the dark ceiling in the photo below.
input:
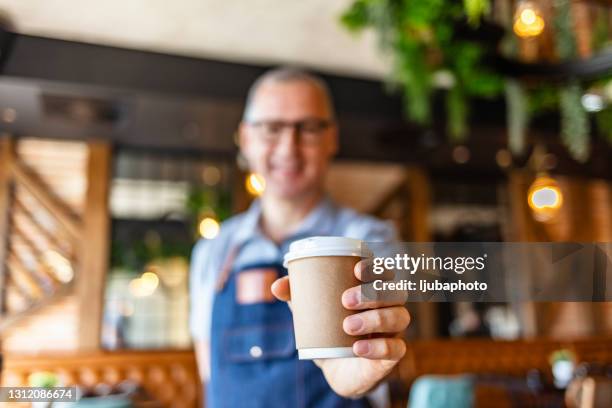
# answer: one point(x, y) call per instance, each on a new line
point(144, 100)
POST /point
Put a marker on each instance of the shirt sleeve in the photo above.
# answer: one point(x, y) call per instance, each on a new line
point(201, 291)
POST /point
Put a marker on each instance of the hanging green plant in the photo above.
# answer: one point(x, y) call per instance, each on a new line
point(604, 123)
point(564, 39)
point(475, 9)
point(518, 115)
point(599, 100)
point(428, 37)
point(422, 36)
point(575, 126)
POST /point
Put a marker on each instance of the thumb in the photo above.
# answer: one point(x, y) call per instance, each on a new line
point(280, 289)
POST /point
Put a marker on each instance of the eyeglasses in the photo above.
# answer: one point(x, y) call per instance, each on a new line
point(309, 131)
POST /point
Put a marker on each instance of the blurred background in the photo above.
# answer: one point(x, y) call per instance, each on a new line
point(481, 120)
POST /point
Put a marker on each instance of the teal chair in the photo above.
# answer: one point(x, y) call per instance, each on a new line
point(431, 391)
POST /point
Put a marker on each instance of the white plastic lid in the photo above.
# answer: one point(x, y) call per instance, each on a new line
point(326, 246)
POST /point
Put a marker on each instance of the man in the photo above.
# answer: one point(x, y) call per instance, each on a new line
point(243, 335)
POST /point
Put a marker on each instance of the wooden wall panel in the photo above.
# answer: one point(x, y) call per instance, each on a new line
point(586, 216)
point(483, 356)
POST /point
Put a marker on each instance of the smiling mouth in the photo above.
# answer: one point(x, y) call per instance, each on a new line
point(287, 169)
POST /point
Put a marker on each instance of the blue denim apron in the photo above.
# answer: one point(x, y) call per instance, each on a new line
point(253, 357)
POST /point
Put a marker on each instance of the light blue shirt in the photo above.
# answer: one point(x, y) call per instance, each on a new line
point(243, 232)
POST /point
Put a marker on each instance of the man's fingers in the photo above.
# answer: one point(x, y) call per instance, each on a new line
point(365, 273)
point(386, 320)
point(362, 269)
point(380, 348)
point(353, 298)
point(280, 289)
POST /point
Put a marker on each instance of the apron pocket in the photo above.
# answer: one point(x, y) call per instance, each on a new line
point(261, 342)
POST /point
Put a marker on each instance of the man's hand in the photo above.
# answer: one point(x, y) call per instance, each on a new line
point(353, 377)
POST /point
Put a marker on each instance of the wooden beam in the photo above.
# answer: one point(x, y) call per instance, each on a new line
point(13, 285)
point(35, 307)
point(420, 203)
point(531, 314)
point(7, 151)
point(56, 208)
point(24, 277)
point(241, 198)
point(583, 28)
point(95, 246)
point(601, 197)
point(41, 268)
point(64, 248)
point(416, 228)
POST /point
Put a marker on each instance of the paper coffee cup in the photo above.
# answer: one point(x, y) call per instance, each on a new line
point(320, 270)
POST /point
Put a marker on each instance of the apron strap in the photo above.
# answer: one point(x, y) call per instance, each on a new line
point(226, 268)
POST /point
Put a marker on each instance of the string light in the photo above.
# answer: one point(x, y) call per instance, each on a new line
point(544, 198)
point(527, 21)
point(209, 228)
point(255, 184)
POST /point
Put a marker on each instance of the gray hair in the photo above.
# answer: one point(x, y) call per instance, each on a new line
point(286, 74)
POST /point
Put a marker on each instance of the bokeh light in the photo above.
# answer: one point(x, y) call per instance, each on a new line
point(545, 198)
point(211, 175)
point(255, 184)
point(209, 228)
point(528, 22)
point(145, 285)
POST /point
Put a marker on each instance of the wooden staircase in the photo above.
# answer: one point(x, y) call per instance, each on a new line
point(53, 194)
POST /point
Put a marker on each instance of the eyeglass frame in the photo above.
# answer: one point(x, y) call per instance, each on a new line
point(296, 126)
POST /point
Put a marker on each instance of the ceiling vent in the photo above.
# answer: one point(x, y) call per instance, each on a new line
point(82, 110)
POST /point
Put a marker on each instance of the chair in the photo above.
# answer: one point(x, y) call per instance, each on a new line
point(590, 392)
point(431, 391)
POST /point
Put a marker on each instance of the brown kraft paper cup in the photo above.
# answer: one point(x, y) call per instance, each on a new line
point(317, 284)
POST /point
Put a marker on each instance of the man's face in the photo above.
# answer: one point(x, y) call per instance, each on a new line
point(289, 138)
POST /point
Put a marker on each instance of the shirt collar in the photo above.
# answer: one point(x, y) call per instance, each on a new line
point(319, 221)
